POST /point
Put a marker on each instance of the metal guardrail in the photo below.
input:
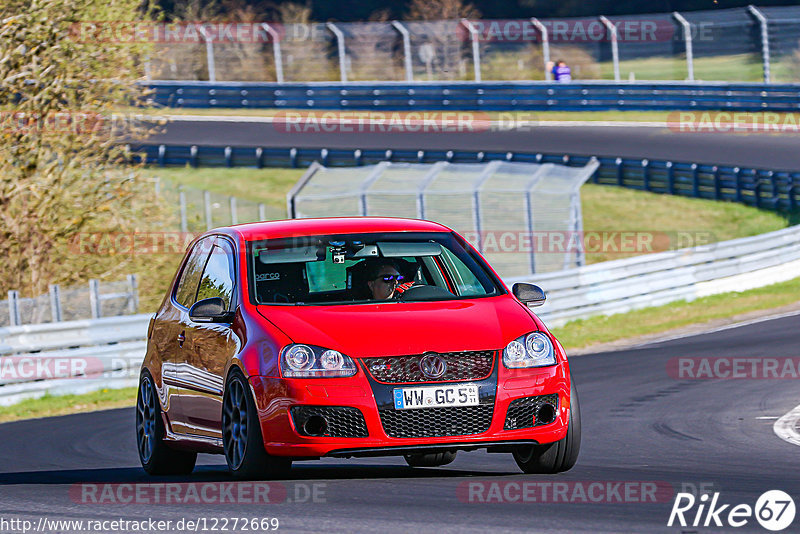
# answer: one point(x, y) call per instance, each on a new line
point(484, 96)
point(652, 280)
point(109, 351)
point(71, 303)
point(70, 356)
point(763, 188)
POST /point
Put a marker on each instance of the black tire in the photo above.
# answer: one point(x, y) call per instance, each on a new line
point(432, 459)
point(554, 457)
point(156, 456)
point(241, 434)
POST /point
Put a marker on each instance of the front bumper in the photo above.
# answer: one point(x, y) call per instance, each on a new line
point(276, 396)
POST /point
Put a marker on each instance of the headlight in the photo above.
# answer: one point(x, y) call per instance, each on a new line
point(308, 361)
point(532, 350)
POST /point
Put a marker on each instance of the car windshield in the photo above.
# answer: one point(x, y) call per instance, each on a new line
point(362, 268)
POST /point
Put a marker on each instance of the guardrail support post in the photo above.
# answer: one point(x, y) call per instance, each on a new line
point(13, 308)
point(620, 176)
point(276, 50)
point(646, 174)
point(133, 287)
point(262, 212)
point(757, 189)
point(94, 298)
point(687, 38)
point(738, 174)
point(476, 50)
point(342, 51)
point(406, 49)
point(695, 181)
point(762, 20)
point(545, 46)
point(212, 70)
point(773, 181)
point(670, 178)
point(717, 184)
point(182, 203)
point(614, 44)
point(55, 303)
point(234, 215)
point(207, 206)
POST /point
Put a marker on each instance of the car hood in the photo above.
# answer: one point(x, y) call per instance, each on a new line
point(395, 329)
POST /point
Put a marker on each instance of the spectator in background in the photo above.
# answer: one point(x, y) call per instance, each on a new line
point(561, 72)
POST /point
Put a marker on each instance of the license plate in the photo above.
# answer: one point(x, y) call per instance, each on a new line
point(435, 397)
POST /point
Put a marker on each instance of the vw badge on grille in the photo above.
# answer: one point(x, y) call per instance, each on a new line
point(432, 365)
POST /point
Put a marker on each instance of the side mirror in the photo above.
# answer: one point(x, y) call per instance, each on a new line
point(529, 294)
point(211, 310)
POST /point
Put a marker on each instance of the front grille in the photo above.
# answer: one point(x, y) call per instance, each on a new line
point(475, 365)
point(522, 413)
point(342, 421)
point(436, 422)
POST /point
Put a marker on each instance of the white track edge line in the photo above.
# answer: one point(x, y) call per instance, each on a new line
point(786, 426)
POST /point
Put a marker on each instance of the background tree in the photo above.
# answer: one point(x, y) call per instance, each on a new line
point(60, 82)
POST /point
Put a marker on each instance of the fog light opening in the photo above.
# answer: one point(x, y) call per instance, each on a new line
point(546, 414)
point(316, 425)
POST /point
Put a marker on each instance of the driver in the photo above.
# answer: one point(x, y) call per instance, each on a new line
point(383, 278)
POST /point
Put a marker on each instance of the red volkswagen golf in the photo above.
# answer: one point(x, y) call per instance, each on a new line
point(347, 337)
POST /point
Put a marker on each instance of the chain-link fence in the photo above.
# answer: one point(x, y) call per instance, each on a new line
point(740, 44)
point(523, 217)
point(91, 301)
point(198, 210)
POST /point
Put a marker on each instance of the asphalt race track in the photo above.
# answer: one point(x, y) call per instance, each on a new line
point(776, 152)
point(639, 426)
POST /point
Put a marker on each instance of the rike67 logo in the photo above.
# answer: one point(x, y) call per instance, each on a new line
point(774, 510)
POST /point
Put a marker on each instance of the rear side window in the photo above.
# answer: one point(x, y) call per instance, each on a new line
point(186, 289)
point(217, 280)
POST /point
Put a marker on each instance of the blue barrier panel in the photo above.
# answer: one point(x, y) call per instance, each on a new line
point(755, 187)
point(485, 96)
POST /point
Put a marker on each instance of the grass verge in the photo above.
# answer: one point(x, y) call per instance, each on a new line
point(616, 209)
point(49, 405)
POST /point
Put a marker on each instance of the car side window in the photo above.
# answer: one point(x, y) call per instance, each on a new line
point(466, 282)
point(218, 276)
point(190, 276)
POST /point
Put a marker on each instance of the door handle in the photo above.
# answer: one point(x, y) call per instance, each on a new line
point(181, 338)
